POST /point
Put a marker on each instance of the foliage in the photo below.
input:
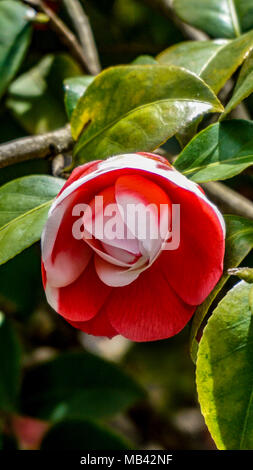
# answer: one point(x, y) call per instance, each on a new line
point(168, 88)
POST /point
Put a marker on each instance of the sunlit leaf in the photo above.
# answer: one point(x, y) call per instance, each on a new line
point(214, 61)
point(131, 108)
point(239, 243)
point(224, 371)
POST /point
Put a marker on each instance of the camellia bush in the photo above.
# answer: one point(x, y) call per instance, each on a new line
point(168, 132)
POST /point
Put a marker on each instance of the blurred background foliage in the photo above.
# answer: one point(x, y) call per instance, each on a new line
point(144, 395)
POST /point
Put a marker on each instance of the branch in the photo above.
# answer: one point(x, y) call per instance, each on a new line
point(229, 200)
point(82, 26)
point(165, 8)
point(64, 33)
point(36, 147)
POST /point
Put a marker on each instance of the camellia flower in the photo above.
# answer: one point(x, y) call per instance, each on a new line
point(144, 285)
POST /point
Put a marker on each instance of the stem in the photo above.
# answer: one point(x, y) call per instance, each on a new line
point(35, 147)
point(229, 200)
point(64, 33)
point(82, 26)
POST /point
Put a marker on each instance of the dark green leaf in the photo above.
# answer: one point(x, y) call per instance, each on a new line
point(24, 205)
point(10, 365)
point(36, 98)
point(131, 108)
point(81, 435)
point(15, 35)
point(20, 282)
point(224, 371)
point(213, 61)
point(77, 386)
point(244, 86)
point(219, 18)
point(239, 242)
point(220, 151)
point(74, 88)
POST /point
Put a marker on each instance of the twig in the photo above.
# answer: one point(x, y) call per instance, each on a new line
point(165, 8)
point(35, 147)
point(64, 33)
point(82, 26)
point(229, 200)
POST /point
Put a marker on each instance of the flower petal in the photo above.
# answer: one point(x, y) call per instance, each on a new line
point(81, 300)
point(148, 309)
point(97, 326)
point(195, 267)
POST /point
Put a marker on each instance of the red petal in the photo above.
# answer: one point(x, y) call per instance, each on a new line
point(80, 171)
point(81, 300)
point(148, 309)
point(97, 326)
point(196, 266)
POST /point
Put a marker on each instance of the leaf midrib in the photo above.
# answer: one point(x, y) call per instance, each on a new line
point(26, 214)
point(234, 17)
point(153, 103)
point(220, 162)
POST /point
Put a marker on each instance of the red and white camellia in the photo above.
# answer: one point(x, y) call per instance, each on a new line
point(126, 285)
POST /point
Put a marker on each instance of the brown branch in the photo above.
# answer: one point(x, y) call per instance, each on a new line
point(64, 33)
point(165, 8)
point(82, 26)
point(229, 200)
point(36, 147)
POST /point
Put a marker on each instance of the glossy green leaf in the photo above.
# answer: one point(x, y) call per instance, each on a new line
point(36, 98)
point(77, 386)
point(224, 371)
point(10, 365)
point(82, 435)
point(74, 88)
point(214, 61)
point(131, 108)
point(24, 205)
point(219, 18)
point(239, 243)
point(15, 35)
point(220, 151)
point(244, 86)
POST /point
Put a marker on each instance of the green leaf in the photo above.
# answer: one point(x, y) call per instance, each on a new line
point(24, 205)
point(131, 108)
point(15, 35)
point(214, 61)
point(224, 371)
point(36, 98)
point(10, 365)
point(244, 86)
point(219, 18)
point(239, 243)
point(75, 88)
point(82, 435)
point(220, 151)
point(77, 386)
